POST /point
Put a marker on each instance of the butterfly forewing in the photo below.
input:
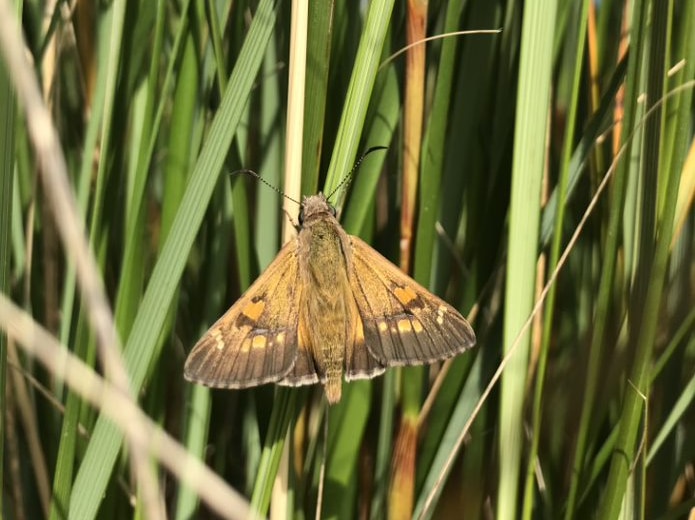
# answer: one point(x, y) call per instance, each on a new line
point(404, 324)
point(255, 341)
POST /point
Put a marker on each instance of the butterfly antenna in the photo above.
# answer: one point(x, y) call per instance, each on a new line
point(349, 175)
point(271, 186)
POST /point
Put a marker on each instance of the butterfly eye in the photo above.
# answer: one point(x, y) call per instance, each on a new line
point(333, 212)
point(301, 216)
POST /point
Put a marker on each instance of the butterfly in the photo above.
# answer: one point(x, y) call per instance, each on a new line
point(329, 306)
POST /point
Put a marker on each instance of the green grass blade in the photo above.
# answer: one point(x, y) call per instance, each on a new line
point(105, 442)
point(359, 91)
point(524, 217)
point(7, 151)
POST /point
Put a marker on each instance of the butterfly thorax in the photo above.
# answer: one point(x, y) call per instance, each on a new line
point(326, 307)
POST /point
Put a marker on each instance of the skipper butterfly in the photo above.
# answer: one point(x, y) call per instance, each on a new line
point(329, 306)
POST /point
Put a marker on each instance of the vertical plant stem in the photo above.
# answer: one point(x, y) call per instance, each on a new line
point(655, 239)
point(524, 218)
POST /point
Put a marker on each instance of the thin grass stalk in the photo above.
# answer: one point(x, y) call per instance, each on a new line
point(216, 40)
point(115, 31)
point(678, 392)
point(606, 284)
point(92, 136)
point(626, 28)
point(359, 91)
point(7, 173)
point(54, 175)
point(295, 115)
point(401, 495)
point(63, 478)
point(568, 144)
point(269, 215)
point(433, 146)
point(292, 188)
point(180, 139)
point(678, 128)
point(524, 218)
point(244, 259)
point(655, 239)
point(132, 271)
point(30, 425)
point(414, 103)
point(105, 442)
point(119, 408)
point(320, 32)
point(282, 415)
point(597, 157)
point(379, 132)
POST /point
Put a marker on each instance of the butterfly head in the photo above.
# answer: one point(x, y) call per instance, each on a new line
point(315, 207)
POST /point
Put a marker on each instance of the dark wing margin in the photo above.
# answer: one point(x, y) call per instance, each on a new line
point(255, 341)
point(404, 324)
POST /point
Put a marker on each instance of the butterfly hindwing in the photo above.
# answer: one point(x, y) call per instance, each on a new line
point(255, 341)
point(403, 323)
point(304, 371)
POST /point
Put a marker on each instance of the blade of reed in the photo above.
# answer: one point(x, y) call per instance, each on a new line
point(652, 264)
point(105, 442)
point(576, 42)
point(607, 277)
point(359, 91)
point(524, 217)
point(283, 414)
point(318, 64)
point(451, 196)
point(677, 389)
point(7, 164)
point(402, 490)
point(470, 394)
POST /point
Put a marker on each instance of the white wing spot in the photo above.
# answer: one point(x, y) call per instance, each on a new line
point(441, 311)
point(258, 342)
point(217, 336)
point(405, 325)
